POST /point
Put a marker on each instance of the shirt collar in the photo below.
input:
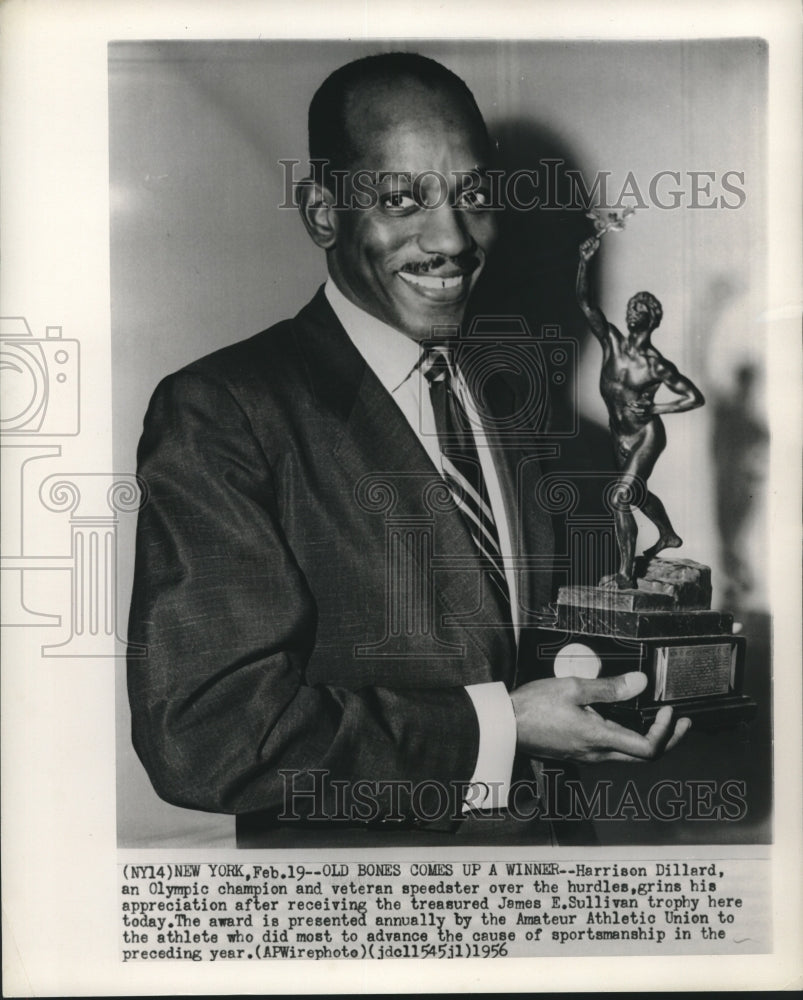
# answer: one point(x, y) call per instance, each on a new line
point(390, 354)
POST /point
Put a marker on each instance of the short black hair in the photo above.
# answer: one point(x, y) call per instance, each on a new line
point(329, 137)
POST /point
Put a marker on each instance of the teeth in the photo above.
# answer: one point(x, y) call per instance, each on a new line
point(430, 281)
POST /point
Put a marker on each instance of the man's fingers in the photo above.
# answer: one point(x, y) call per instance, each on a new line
point(623, 687)
point(681, 728)
point(611, 739)
point(660, 738)
point(617, 740)
point(658, 733)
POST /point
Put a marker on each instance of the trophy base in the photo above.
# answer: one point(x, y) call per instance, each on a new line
point(665, 629)
point(707, 713)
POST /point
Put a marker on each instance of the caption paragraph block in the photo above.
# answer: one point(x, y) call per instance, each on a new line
point(252, 911)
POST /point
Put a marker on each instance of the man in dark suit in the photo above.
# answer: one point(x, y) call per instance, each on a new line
point(332, 628)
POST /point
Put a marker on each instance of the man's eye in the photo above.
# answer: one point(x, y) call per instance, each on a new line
point(473, 200)
point(398, 202)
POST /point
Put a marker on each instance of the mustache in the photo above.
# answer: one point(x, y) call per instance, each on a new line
point(466, 263)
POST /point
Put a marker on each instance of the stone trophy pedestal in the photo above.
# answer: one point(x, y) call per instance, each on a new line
point(665, 628)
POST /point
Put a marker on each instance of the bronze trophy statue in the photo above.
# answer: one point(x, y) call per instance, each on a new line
point(632, 372)
point(651, 614)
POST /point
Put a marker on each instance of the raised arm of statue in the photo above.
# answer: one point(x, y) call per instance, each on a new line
point(594, 315)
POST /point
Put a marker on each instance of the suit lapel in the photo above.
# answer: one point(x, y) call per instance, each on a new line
point(377, 446)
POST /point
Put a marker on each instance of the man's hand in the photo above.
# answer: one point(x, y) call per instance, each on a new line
point(554, 719)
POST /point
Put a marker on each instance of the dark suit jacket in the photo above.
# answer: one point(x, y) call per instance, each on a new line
point(306, 600)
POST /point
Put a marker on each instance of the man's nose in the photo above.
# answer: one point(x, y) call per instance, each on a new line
point(444, 231)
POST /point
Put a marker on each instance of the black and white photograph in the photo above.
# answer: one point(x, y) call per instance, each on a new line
point(401, 442)
point(327, 611)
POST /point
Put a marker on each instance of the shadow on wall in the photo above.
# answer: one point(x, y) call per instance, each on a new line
point(532, 274)
point(739, 444)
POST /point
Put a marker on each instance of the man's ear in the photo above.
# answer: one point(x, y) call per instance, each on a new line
point(316, 206)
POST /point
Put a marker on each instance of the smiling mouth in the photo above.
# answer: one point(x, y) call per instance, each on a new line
point(432, 282)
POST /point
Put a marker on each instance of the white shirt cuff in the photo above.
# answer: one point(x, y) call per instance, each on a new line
point(490, 783)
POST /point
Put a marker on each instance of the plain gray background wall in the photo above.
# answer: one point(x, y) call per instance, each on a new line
point(201, 256)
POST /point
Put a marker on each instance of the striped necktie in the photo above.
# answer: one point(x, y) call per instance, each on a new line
point(460, 463)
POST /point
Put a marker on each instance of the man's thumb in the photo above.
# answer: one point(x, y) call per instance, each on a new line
point(623, 687)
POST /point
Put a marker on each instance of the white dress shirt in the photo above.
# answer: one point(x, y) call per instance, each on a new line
point(394, 358)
